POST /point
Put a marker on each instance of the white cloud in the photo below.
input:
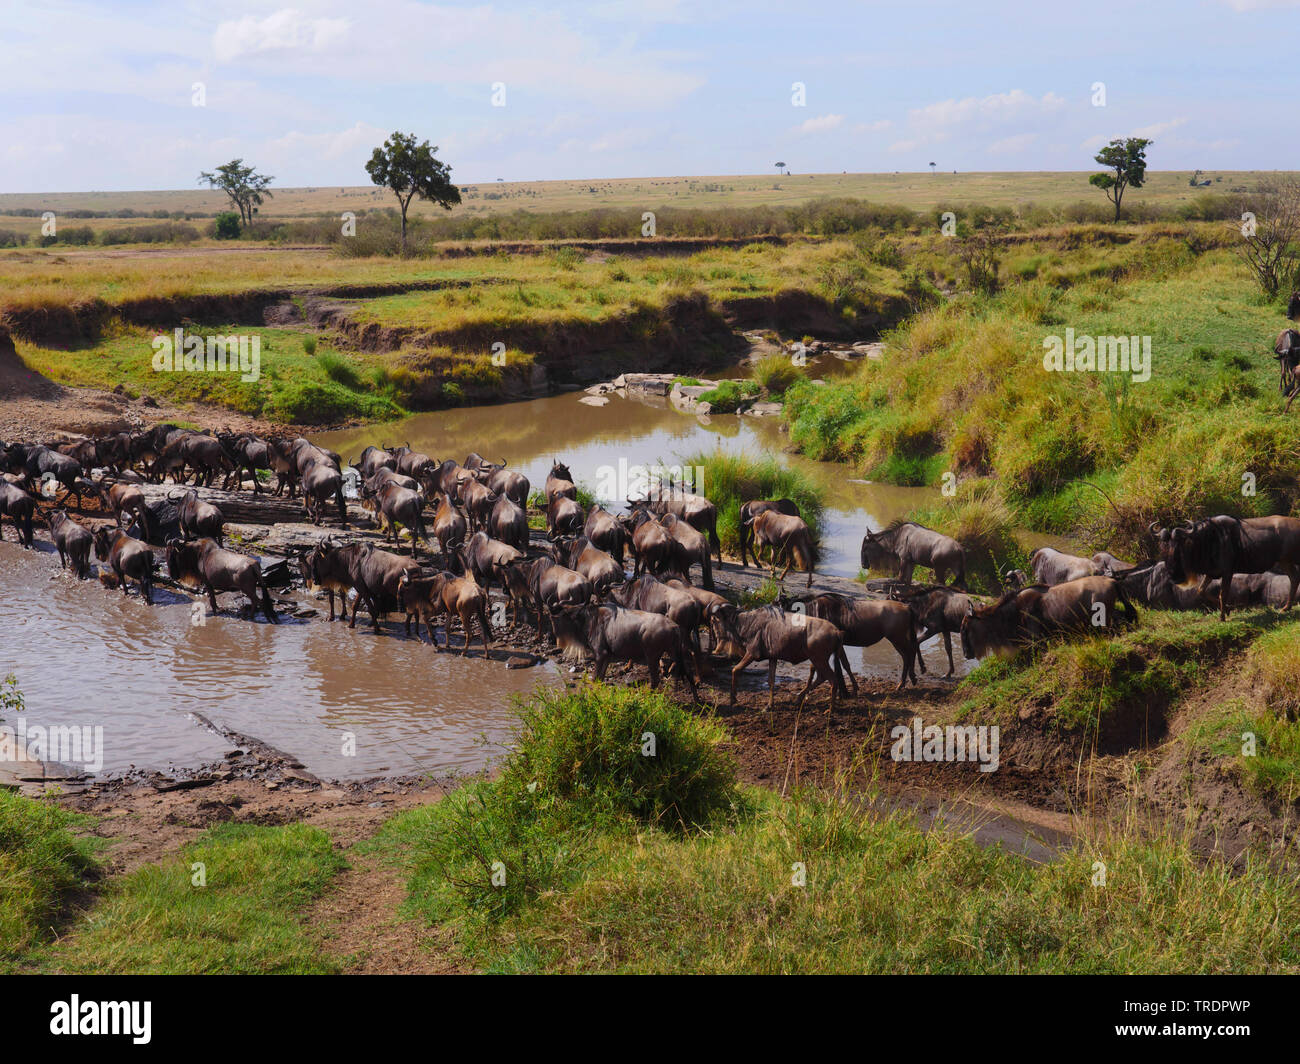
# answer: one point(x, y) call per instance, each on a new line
point(1015, 105)
point(1013, 144)
point(873, 127)
point(1158, 128)
point(288, 29)
point(821, 124)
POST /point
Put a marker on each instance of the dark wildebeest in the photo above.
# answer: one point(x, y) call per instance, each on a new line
point(396, 505)
point(280, 453)
point(553, 588)
point(476, 463)
point(770, 634)
point(719, 613)
point(1106, 564)
point(514, 486)
point(376, 576)
point(508, 522)
point(476, 499)
point(752, 509)
point(648, 593)
point(37, 462)
point(564, 517)
point(613, 633)
point(120, 499)
point(126, 557)
point(864, 622)
point(1286, 350)
point(559, 481)
point(1153, 585)
point(904, 545)
point(595, 564)
point(413, 464)
point(74, 542)
point(606, 532)
point(689, 547)
point(198, 519)
point(486, 558)
point(20, 508)
point(84, 452)
point(1051, 567)
point(204, 455)
point(321, 481)
point(790, 539)
point(450, 527)
point(1223, 546)
point(1252, 589)
point(653, 547)
point(938, 610)
point(383, 476)
point(429, 597)
point(203, 564)
point(249, 453)
point(695, 510)
point(374, 459)
point(329, 568)
point(439, 478)
point(1020, 616)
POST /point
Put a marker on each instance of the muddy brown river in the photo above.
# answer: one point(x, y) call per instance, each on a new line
point(350, 703)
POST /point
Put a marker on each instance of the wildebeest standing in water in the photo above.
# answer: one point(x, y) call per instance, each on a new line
point(770, 634)
point(213, 568)
point(74, 542)
point(198, 519)
point(1222, 546)
point(905, 545)
point(615, 633)
point(20, 508)
point(790, 539)
point(328, 567)
point(126, 557)
point(429, 597)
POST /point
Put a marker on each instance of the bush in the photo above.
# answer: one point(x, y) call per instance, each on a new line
point(338, 369)
point(728, 395)
point(226, 226)
point(309, 344)
point(776, 373)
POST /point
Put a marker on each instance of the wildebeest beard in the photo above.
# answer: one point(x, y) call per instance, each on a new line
point(1208, 548)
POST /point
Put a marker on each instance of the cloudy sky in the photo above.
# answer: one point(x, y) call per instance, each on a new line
point(102, 95)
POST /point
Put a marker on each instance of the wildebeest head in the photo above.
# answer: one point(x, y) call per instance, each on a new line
point(876, 554)
point(1293, 306)
point(992, 628)
point(560, 471)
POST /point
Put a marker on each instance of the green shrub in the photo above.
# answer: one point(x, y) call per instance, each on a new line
point(339, 369)
point(775, 373)
point(226, 226)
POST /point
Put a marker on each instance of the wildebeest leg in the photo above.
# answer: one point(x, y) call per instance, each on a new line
point(947, 645)
point(1225, 585)
point(771, 684)
point(803, 695)
point(844, 662)
point(748, 657)
point(212, 598)
point(652, 663)
point(905, 572)
point(1295, 580)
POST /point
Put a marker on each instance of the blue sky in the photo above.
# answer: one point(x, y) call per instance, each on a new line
point(100, 96)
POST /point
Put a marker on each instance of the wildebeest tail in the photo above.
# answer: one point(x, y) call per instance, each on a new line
point(708, 572)
point(342, 503)
point(268, 607)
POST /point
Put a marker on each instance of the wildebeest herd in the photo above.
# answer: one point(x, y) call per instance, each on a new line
point(577, 588)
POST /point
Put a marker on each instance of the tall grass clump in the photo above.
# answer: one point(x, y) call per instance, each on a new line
point(775, 373)
point(730, 480)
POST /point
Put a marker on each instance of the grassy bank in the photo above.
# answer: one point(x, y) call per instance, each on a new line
point(963, 389)
point(592, 880)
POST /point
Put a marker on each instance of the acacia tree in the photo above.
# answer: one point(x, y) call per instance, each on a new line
point(411, 170)
point(1270, 229)
point(246, 188)
point(1126, 157)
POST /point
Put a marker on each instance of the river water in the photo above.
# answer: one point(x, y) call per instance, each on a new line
point(87, 656)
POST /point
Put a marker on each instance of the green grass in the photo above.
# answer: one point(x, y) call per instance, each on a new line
point(729, 480)
point(1261, 747)
point(44, 864)
point(245, 920)
point(728, 395)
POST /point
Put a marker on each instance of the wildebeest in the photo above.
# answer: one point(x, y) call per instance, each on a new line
point(718, 613)
point(1286, 350)
point(1051, 567)
point(206, 565)
point(374, 459)
point(863, 622)
point(508, 522)
point(554, 588)
point(396, 505)
point(559, 481)
point(414, 464)
point(938, 610)
point(74, 542)
point(1106, 564)
point(486, 558)
point(789, 538)
point(376, 576)
point(280, 454)
point(249, 453)
point(126, 557)
point(203, 455)
point(750, 510)
point(606, 532)
point(450, 528)
point(904, 545)
point(121, 499)
point(198, 519)
point(329, 568)
point(1154, 586)
point(476, 499)
point(649, 593)
point(1036, 611)
point(596, 565)
point(321, 481)
point(1222, 546)
point(653, 547)
point(770, 634)
point(506, 482)
point(429, 597)
point(613, 633)
point(695, 510)
point(384, 475)
point(37, 462)
point(564, 517)
point(20, 508)
point(1252, 589)
point(689, 547)
point(439, 478)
